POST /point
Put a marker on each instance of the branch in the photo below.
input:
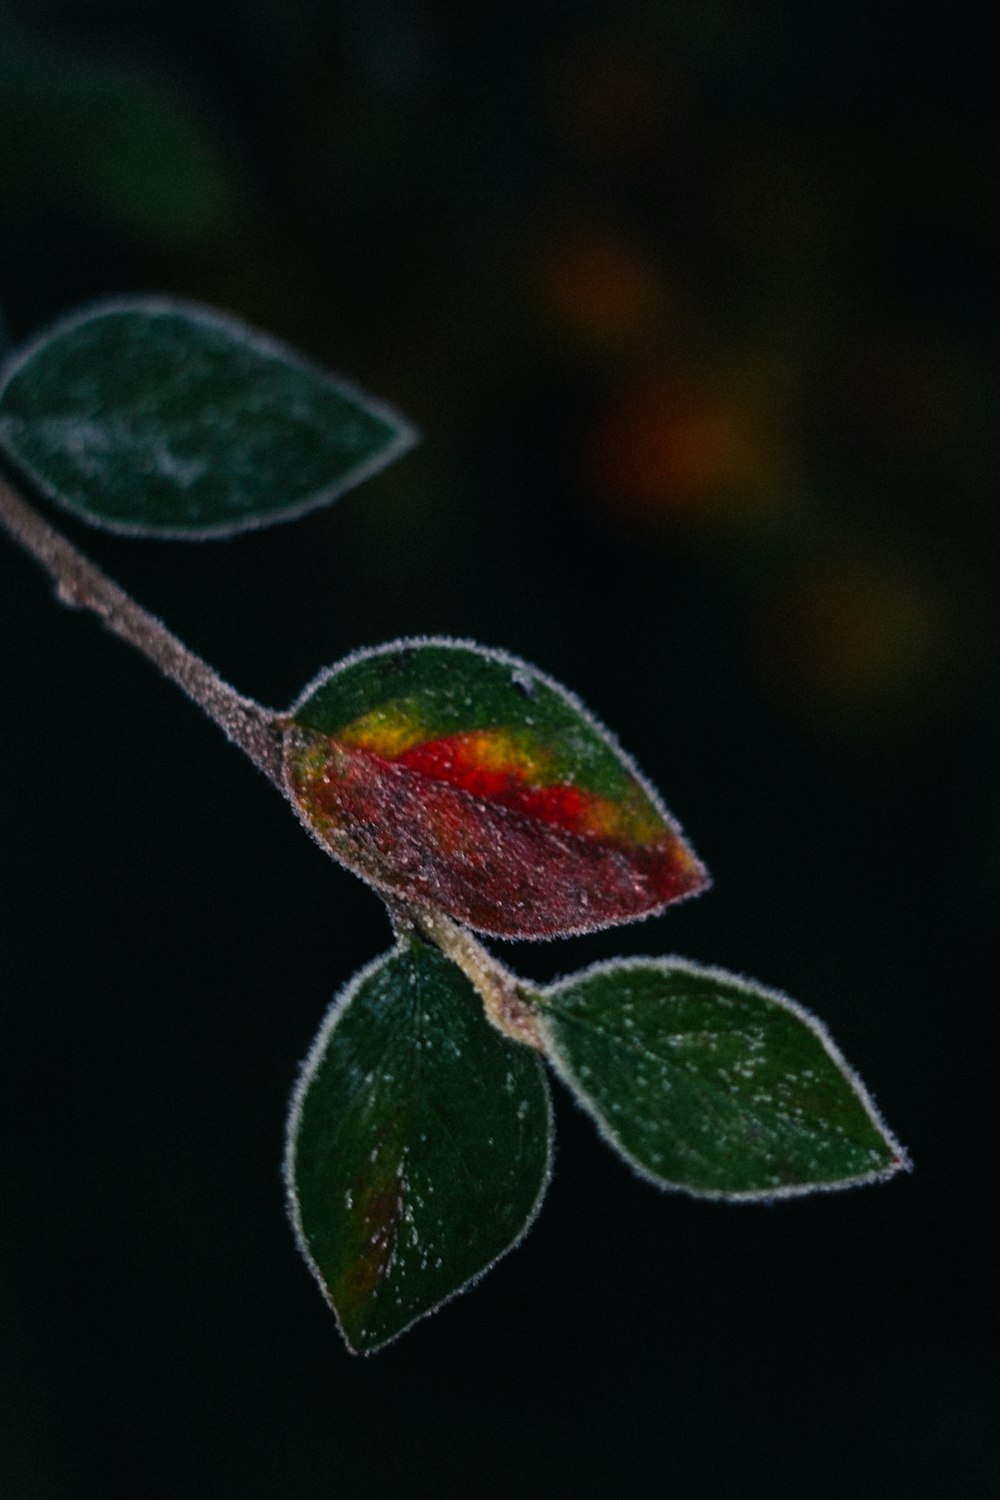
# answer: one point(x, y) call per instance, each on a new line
point(81, 585)
point(255, 729)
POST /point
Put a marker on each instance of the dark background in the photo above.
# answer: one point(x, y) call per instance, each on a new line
point(695, 306)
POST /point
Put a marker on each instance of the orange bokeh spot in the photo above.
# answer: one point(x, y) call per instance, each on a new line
point(857, 639)
point(865, 633)
point(660, 451)
point(599, 286)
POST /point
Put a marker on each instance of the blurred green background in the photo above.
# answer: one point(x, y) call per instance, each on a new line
point(695, 305)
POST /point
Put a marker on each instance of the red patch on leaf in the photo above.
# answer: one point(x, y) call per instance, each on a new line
point(455, 762)
point(505, 857)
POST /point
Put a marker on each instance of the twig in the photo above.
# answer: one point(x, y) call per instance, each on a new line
point(256, 730)
point(82, 585)
point(499, 989)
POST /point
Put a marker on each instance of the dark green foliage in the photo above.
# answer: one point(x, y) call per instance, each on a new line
point(419, 1144)
point(162, 419)
point(711, 1084)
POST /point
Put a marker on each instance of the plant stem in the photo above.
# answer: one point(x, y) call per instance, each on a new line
point(82, 585)
point(255, 729)
point(498, 988)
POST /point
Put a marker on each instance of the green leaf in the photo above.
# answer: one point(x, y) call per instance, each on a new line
point(463, 779)
point(163, 419)
point(118, 135)
point(419, 1145)
point(705, 1082)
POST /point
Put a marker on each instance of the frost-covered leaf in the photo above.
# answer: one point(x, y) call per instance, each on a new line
point(463, 779)
point(418, 1147)
point(164, 419)
point(705, 1082)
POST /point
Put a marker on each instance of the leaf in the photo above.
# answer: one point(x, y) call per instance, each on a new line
point(419, 1145)
point(164, 419)
point(119, 136)
point(708, 1083)
point(463, 779)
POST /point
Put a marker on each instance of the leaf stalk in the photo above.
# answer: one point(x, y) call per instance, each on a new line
point(503, 998)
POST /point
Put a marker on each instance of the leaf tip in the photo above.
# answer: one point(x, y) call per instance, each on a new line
point(900, 1160)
